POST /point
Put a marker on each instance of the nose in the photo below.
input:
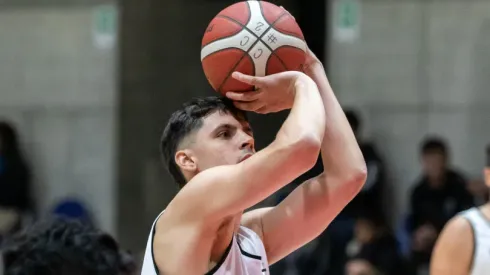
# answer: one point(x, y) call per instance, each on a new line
point(247, 142)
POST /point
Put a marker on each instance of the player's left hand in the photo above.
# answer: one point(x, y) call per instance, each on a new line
point(274, 92)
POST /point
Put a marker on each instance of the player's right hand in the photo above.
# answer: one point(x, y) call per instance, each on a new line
point(273, 93)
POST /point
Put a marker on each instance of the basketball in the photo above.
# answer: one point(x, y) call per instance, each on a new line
point(252, 37)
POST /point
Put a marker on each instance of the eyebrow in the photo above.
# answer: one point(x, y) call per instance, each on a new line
point(227, 126)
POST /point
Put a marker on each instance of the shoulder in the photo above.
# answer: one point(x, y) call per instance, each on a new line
point(458, 227)
point(171, 241)
point(453, 251)
point(456, 236)
point(457, 177)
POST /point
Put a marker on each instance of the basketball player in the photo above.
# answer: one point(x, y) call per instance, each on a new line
point(464, 245)
point(208, 147)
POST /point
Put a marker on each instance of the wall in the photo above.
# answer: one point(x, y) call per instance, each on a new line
point(419, 68)
point(60, 91)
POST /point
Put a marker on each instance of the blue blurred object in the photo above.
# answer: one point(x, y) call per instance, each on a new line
point(403, 235)
point(73, 208)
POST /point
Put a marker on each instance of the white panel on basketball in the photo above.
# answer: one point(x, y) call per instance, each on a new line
point(275, 39)
point(257, 22)
point(242, 40)
point(260, 54)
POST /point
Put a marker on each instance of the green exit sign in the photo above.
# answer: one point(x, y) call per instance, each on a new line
point(105, 19)
point(348, 11)
point(347, 21)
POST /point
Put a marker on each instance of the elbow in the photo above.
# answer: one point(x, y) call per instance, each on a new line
point(352, 181)
point(306, 151)
point(356, 180)
point(360, 175)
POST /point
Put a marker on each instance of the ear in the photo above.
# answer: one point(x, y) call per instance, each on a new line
point(486, 172)
point(186, 161)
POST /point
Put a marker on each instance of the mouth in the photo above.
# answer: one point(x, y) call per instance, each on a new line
point(246, 156)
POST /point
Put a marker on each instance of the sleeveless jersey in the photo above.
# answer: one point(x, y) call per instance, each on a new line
point(244, 256)
point(481, 241)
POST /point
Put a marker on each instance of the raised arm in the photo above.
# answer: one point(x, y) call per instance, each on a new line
point(222, 191)
point(308, 210)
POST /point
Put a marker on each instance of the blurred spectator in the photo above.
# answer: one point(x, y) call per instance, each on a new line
point(65, 247)
point(438, 196)
point(373, 243)
point(15, 182)
point(479, 191)
point(360, 266)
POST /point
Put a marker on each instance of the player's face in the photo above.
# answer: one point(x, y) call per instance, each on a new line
point(434, 165)
point(364, 231)
point(222, 140)
point(359, 267)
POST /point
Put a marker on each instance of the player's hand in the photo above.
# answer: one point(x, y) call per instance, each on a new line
point(273, 93)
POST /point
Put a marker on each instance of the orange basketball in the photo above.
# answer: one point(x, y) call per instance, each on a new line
point(253, 37)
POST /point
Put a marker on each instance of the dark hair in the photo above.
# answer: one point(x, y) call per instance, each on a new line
point(10, 142)
point(16, 170)
point(373, 216)
point(434, 145)
point(185, 121)
point(64, 247)
point(8, 137)
point(354, 120)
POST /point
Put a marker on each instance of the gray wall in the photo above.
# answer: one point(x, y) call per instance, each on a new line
point(419, 68)
point(60, 91)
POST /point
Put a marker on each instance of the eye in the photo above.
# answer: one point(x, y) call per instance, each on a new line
point(223, 134)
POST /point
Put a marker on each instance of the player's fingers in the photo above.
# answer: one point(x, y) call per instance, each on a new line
point(249, 106)
point(252, 80)
point(244, 96)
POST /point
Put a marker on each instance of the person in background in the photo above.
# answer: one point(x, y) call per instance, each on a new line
point(362, 264)
point(374, 242)
point(439, 195)
point(57, 246)
point(15, 182)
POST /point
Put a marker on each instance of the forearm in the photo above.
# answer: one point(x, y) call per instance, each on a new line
point(341, 155)
point(307, 116)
